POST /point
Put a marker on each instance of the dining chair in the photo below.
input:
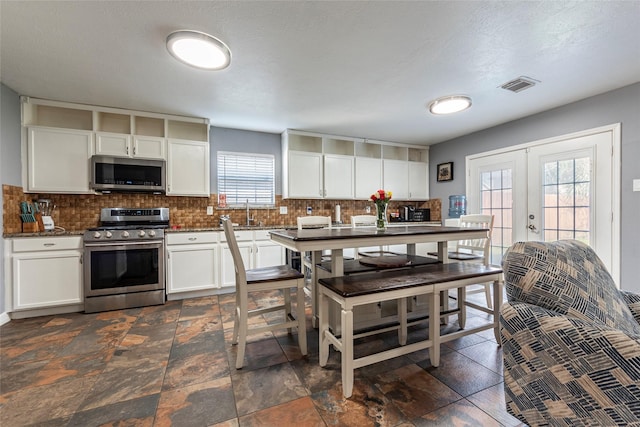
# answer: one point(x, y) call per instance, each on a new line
point(368, 221)
point(475, 250)
point(312, 222)
point(281, 277)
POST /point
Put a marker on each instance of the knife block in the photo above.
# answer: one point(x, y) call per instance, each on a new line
point(39, 222)
point(30, 227)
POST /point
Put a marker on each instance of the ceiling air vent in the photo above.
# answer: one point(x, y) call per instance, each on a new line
point(519, 84)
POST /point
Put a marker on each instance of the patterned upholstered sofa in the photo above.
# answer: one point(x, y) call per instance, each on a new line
point(570, 338)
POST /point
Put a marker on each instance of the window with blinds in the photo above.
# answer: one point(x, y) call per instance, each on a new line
point(246, 177)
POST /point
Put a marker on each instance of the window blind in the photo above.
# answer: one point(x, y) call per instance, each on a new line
point(243, 177)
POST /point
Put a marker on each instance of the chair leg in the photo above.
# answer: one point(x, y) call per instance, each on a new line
point(487, 293)
point(302, 324)
point(243, 314)
point(236, 322)
point(287, 307)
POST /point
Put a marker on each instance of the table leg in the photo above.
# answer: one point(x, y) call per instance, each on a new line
point(462, 307)
point(347, 352)
point(324, 327)
point(316, 257)
point(434, 327)
point(443, 256)
point(402, 317)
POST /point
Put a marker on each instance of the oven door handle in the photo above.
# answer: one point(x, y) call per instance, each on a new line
point(141, 243)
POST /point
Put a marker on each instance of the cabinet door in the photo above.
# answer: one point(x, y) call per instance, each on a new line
point(305, 175)
point(58, 160)
point(227, 268)
point(338, 176)
point(149, 147)
point(418, 181)
point(47, 279)
point(396, 178)
point(187, 168)
point(192, 268)
point(268, 254)
point(113, 144)
point(368, 177)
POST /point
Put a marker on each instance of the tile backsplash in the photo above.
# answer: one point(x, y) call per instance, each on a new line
point(77, 212)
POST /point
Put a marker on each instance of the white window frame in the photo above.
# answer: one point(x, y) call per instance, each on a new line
point(235, 202)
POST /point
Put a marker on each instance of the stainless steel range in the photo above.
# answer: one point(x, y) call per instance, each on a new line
point(124, 259)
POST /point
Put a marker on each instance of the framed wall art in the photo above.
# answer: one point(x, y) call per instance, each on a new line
point(445, 172)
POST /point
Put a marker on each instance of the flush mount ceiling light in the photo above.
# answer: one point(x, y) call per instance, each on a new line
point(449, 104)
point(199, 50)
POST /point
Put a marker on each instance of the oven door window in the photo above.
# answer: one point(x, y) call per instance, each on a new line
point(124, 268)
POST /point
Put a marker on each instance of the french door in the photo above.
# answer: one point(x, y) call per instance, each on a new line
point(559, 188)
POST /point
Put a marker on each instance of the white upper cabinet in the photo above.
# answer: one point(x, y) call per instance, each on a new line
point(368, 169)
point(396, 178)
point(317, 166)
point(188, 168)
point(58, 160)
point(60, 138)
point(338, 176)
point(305, 175)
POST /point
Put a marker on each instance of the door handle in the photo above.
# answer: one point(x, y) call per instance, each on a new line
point(533, 228)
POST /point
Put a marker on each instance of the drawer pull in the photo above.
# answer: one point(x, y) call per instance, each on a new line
point(193, 238)
point(49, 244)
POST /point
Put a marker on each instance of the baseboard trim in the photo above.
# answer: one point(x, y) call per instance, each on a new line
point(4, 318)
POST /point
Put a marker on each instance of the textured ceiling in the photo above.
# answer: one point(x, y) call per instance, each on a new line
point(364, 69)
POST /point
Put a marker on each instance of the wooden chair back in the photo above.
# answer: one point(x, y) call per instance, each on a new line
point(314, 222)
point(482, 246)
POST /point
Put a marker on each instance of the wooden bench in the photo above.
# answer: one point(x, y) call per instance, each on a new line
point(354, 290)
point(369, 317)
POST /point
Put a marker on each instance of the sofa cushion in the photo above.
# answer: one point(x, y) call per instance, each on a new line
point(567, 277)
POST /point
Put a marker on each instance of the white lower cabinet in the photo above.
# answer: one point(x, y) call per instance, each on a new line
point(192, 261)
point(46, 272)
point(257, 251)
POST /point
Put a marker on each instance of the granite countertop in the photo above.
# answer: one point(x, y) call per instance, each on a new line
point(59, 233)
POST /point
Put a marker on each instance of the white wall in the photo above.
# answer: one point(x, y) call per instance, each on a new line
point(618, 106)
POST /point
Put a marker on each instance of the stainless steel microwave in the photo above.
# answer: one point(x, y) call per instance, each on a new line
point(118, 174)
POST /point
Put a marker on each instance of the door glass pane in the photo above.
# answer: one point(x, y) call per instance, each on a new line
point(567, 199)
point(496, 199)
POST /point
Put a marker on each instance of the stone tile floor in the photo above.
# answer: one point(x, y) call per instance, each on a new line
point(174, 365)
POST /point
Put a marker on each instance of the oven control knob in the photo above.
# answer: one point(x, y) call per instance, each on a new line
point(141, 233)
point(152, 233)
point(125, 234)
point(108, 234)
point(97, 235)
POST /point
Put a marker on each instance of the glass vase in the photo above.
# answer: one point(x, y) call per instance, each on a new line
point(381, 216)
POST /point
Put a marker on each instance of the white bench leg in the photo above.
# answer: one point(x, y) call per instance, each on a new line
point(347, 353)
point(323, 352)
point(402, 317)
point(434, 327)
point(302, 323)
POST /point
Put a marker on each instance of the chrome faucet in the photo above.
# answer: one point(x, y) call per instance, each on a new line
point(249, 219)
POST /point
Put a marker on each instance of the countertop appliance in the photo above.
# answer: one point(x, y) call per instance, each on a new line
point(116, 174)
point(413, 214)
point(124, 259)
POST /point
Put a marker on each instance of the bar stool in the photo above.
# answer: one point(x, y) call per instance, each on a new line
point(280, 277)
